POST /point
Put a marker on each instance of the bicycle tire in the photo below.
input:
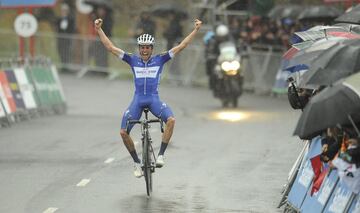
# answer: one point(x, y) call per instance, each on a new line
point(147, 165)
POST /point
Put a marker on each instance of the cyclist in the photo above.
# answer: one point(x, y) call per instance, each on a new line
point(146, 71)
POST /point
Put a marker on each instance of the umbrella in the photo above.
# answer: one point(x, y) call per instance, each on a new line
point(308, 51)
point(165, 9)
point(339, 61)
point(285, 11)
point(290, 53)
point(331, 107)
point(352, 17)
point(319, 13)
point(355, 28)
point(100, 3)
point(319, 32)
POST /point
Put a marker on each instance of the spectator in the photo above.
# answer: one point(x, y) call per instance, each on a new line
point(97, 50)
point(235, 28)
point(254, 29)
point(269, 33)
point(354, 151)
point(65, 26)
point(331, 144)
point(145, 25)
point(173, 32)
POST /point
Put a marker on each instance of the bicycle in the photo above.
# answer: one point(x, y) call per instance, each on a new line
point(148, 156)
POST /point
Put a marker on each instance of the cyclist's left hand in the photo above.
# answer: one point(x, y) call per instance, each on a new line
point(197, 24)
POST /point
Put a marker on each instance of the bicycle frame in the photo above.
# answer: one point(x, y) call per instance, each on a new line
point(148, 162)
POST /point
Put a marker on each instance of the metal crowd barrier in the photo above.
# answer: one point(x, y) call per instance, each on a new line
point(86, 54)
point(333, 195)
point(261, 66)
point(29, 88)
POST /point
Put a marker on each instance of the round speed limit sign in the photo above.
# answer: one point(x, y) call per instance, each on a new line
point(25, 25)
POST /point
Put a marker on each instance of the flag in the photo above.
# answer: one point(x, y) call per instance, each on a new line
point(320, 172)
point(319, 180)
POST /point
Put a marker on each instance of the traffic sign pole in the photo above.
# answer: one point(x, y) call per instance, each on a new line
point(32, 39)
point(21, 39)
point(26, 25)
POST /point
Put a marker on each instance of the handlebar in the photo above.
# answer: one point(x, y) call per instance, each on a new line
point(142, 122)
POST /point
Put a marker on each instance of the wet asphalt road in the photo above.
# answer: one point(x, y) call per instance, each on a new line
point(77, 163)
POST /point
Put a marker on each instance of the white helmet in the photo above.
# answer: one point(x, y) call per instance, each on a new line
point(222, 30)
point(145, 39)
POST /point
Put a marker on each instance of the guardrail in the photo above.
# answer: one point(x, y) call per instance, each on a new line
point(29, 88)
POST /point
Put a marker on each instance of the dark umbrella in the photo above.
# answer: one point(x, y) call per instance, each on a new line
point(100, 3)
point(166, 9)
point(352, 17)
point(285, 11)
point(339, 61)
point(319, 13)
point(332, 106)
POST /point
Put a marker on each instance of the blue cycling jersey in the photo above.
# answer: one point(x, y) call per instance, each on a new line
point(147, 79)
point(147, 74)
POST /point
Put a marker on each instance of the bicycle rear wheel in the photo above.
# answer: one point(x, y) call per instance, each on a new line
point(147, 165)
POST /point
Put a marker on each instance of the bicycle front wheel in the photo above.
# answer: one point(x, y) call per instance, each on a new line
point(147, 165)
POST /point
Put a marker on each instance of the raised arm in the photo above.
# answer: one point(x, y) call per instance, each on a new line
point(105, 40)
point(188, 38)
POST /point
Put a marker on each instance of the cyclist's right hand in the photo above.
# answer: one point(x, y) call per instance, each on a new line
point(98, 22)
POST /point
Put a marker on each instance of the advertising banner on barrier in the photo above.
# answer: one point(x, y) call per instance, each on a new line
point(317, 202)
point(310, 169)
point(9, 101)
point(54, 87)
point(29, 76)
point(2, 109)
point(26, 88)
point(339, 199)
point(4, 105)
point(355, 206)
point(302, 183)
point(58, 83)
point(41, 85)
point(15, 90)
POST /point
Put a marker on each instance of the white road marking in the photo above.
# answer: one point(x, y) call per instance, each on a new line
point(109, 160)
point(83, 182)
point(51, 210)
